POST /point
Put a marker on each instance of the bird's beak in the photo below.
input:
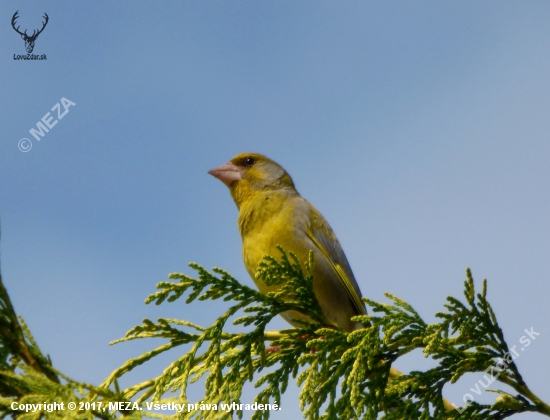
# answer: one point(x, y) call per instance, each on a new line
point(228, 173)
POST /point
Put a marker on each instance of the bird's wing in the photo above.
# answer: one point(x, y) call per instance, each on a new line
point(321, 234)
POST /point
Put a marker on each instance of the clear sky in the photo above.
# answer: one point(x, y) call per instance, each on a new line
point(419, 129)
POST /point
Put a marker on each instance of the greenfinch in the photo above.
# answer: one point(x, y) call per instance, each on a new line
point(271, 213)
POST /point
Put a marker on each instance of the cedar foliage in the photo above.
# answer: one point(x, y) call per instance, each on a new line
point(341, 375)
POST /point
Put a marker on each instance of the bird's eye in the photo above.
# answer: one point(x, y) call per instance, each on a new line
point(249, 161)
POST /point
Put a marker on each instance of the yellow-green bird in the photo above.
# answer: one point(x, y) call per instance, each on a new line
point(271, 213)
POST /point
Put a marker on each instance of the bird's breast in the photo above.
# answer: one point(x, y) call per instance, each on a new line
point(264, 224)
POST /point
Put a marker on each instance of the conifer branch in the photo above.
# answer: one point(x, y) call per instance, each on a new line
point(342, 375)
point(28, 377)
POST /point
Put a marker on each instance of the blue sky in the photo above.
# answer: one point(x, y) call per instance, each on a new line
point(419, 130)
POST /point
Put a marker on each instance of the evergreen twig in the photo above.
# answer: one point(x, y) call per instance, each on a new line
point(342, 375)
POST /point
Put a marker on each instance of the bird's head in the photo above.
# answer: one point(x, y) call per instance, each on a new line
point(249, 173)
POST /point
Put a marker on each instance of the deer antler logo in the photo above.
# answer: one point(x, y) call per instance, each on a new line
point(29, 40)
